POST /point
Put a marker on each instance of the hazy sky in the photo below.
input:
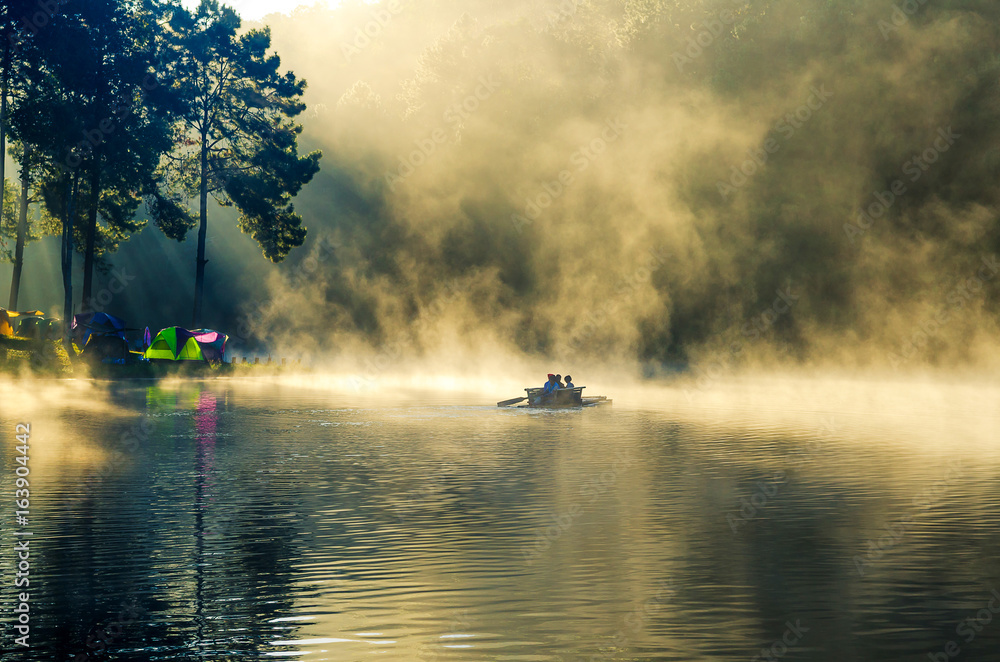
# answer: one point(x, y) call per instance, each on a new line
point(254, 9)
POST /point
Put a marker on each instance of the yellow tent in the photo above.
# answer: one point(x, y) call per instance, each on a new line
point(7, 317)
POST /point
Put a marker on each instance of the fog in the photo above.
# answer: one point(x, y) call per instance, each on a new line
point(649, 185)
point(734, 184)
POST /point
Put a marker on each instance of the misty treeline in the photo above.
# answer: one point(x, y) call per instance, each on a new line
point(674, 182)
point(120, 112)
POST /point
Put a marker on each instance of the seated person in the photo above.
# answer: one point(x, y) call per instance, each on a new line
point(559, 383)
point(548, 388)
point(569, 382)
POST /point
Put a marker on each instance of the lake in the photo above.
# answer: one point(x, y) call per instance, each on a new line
point(749, 520)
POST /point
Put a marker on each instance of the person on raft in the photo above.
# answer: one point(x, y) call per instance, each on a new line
point(548, 389)
point(569, 382)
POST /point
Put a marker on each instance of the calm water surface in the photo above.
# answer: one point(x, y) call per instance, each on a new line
point(218, 521)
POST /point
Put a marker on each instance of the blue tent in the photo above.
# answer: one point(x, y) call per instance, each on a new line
point(86, 325)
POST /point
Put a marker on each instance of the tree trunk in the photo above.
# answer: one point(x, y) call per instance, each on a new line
point(199, 274)
point(4, 85)
point(67, 264)
point(22, 230)
point(88, 257)
point(99, 112)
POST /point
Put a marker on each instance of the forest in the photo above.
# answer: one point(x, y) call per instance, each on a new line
point(119, 114)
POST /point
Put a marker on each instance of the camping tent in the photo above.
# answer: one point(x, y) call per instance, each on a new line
point(174, 344)
point(7, 318)
point(40, 328)
point(100, 336)
point(86, 325)
point(177, 344)
point(213, 344)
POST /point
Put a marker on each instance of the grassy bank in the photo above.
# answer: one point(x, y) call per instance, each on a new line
point(22, 357)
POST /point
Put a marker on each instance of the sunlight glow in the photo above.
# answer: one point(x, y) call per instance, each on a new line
point(253, 10)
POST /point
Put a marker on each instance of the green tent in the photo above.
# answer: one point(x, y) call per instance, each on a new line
point(175, 344)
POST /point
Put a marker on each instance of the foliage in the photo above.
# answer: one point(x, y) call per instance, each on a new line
point(236, 134)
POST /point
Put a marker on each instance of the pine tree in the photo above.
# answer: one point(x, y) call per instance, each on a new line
point(237, 138)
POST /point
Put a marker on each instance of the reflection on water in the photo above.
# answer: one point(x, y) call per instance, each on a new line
point(220, 522)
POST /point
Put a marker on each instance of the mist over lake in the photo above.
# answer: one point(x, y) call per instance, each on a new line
point(557, 331)
point(253, 520)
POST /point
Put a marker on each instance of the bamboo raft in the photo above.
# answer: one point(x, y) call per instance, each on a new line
point(562, 398)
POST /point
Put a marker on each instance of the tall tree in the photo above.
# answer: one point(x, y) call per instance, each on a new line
point(8, 222)
point(101, 54)
point(51, 118)
point(238, 141)
point(20, 223)
point(98, 140)
point(22, 228)
point(16, 18)
point(60, 191)
point(29, 226)
point(8, 41)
